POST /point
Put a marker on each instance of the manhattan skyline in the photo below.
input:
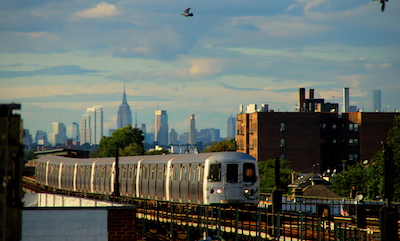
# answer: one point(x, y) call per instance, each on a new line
point(59, 58)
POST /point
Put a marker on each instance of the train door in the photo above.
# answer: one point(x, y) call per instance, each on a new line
point(152, 182)
point(214, 183)
point(200, 183)
point(193, 184)
point(160, 187)
point(122, 179)
point(232, 186)
point(184, 184)
point(174, 183)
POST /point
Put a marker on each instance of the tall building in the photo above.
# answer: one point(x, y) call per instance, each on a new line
point(84, 129)
point(209, 135)
point(41, 138)
point(306, 139)
point(73, 131)
point(161, 127)
point(377, 101)
point(59, 134)
point(346, 100)
point(192, 130)
point(28, 140)
point(173, 137)
point(92, 125)
point(231, 128)
point(124, 113)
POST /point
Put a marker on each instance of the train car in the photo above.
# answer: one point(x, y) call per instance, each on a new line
point(205, 178)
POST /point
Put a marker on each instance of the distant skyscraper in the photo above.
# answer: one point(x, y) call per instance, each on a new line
point(84, 129)
point(377, 101)
point(27, 138)
point(59, 134)
point(346, 100)
point(93, 122)
point(73, 131)
point(161, 127)
point(231, 128)
point(192, 130)
point(124, 113)
point(41, 138)
point(184, 138)
point(173, 137)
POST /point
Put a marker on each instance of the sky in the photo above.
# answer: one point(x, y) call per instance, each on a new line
point(58, 58)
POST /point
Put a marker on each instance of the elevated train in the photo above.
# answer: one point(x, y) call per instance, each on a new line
point(205, 178)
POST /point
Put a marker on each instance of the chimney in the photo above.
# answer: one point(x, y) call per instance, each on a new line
point(311, 94)
point(302, 99)
point(346, 100)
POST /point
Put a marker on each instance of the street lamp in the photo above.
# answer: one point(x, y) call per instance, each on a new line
point(312, 173)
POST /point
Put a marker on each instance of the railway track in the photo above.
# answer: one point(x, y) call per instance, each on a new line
point(176, 221)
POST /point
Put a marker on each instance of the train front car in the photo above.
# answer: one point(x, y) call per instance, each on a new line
point(231, 178)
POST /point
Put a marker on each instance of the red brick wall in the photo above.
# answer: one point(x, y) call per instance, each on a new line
point(122, 224)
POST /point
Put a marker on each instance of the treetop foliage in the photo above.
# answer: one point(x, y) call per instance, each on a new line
point(267, 174)
point(224, 145)
point(128, 140)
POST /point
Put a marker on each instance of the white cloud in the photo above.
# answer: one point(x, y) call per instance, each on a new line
point(101, 10)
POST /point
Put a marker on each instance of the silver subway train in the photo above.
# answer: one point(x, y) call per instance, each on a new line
point(205, 178)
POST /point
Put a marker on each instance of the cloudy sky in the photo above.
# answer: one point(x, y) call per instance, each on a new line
point(58, 58)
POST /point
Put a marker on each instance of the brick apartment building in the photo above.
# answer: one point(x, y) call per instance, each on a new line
point(325, 140)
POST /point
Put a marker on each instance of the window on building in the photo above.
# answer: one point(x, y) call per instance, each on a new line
point(334, 126)
point(282, 142)
point(282, 156)
point(282, 126)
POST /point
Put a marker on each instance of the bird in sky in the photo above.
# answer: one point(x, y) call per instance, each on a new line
point(187, 14)
point(383, 4)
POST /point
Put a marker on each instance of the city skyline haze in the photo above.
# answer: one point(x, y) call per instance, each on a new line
point(58, 58)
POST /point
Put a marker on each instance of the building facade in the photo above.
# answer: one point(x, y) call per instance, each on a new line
point(124, 113)
point(305, 139)
point(91, 125)
point(231, 128)
point(59, 134)
point(161, 127)
point(377, 105)
point(192, 130)
point(73, 131)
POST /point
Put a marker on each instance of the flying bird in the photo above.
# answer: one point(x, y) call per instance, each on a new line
point(383, 4)
point(187, 14)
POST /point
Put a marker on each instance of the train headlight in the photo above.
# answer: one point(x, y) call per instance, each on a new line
point(246, 191)
point(218, 191)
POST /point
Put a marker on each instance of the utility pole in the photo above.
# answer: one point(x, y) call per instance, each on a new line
point(11, 151)
point(116, 180)
point(388, 213)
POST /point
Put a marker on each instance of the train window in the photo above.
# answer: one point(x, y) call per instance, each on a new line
point(160, 173)
point(176, 173)
point(193, 175)
point(214, 174)
point(249, 172)
point(184, 173)
point(153, 170)
point(232, 173)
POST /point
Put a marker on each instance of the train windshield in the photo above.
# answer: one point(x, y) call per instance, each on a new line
point(214, 174)
point(249, 172)
point(232, 173)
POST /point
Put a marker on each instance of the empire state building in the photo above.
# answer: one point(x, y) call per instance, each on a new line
point(124, 113)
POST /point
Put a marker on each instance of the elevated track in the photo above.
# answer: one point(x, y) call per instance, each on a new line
point(158, 220)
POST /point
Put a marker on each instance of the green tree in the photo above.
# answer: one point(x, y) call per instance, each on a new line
point(267, 174)
point(128, 140)
point(224, 145)
point(354, 177)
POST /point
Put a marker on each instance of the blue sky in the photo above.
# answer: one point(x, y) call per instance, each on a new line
point(58, 58)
